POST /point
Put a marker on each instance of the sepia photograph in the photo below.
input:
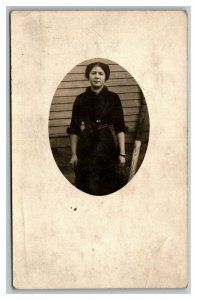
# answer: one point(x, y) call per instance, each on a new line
point(98, 126)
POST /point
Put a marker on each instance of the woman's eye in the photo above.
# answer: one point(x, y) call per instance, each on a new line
point(94, 73)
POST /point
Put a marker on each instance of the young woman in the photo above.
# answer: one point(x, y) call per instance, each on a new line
point(97, 132)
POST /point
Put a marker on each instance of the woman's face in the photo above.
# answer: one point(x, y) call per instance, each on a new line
point(97, 77)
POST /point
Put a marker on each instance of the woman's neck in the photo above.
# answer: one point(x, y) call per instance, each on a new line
point(97, 91)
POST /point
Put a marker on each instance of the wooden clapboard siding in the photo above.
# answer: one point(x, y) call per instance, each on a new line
point(63, 92)
point(120, 82)
point(85, 83)
point(81, 77)
point(70, 99)
point(66, 114)
point(80, 69)
point(74, 83)
point(68, 106)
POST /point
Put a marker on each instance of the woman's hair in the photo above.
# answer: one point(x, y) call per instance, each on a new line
point(103, 66)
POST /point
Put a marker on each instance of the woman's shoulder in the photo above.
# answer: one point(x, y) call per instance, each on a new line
point(112, 93)
point(80, 98)
point(113, 96)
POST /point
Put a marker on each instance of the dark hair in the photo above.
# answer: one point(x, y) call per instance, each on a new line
point(103, 66)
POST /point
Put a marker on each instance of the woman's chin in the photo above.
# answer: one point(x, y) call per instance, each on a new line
point(97, 86)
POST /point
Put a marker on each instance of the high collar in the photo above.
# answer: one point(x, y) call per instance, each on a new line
point(102, 92)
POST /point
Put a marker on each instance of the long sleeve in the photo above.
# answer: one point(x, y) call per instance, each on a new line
point(117, 115)
point(76, 118)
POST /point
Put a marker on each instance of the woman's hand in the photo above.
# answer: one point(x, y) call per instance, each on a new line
point(122, 160)
point(74, 160)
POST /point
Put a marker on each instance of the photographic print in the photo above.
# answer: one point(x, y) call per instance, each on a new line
point(99, 149)
point(98, 116)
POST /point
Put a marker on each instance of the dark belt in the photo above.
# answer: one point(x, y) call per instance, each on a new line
point(102, 125)
point(99, 126)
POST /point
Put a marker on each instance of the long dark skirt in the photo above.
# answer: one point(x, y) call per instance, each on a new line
point(98, 171)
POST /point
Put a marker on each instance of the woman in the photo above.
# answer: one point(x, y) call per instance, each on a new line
point(97, 133)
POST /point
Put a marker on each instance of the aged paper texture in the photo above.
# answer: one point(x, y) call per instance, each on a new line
point(136, 237)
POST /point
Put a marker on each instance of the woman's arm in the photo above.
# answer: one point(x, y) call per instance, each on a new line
point(121, 143)
point(75, 130)
point(73, 141)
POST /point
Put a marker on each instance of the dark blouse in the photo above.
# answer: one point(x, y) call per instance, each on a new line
point(91, 108)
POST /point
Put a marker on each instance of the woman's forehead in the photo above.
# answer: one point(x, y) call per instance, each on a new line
point(97, 69)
